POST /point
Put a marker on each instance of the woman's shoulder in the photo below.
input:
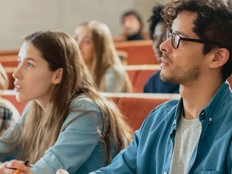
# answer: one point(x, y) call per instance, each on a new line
point(83, 98)
point(83, 110)
point(83, 102)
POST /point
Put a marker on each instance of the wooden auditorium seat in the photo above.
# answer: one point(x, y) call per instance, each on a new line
point(139, 52)
point(9, 58)
point(136, 107)
point(122, 38)
point(139, 74)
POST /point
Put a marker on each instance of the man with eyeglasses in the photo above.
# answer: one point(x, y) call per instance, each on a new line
point(193, 134)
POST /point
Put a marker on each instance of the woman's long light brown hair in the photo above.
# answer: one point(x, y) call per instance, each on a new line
point(41, 128)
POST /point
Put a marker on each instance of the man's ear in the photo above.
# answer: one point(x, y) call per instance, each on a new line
point(57, 76)
point(220, 57)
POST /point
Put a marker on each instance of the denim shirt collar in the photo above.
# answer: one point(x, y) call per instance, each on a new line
point(178, 113)
point(217, 101)
point(207, 113)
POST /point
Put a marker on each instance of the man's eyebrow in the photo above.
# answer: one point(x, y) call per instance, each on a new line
point(180, 33)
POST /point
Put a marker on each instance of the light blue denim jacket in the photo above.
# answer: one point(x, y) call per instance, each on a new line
point(152, 148)
point(78, 148)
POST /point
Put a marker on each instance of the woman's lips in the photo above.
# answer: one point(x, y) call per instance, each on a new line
point(17, 87)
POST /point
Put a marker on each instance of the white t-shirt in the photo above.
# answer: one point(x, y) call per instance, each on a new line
point(187, 136)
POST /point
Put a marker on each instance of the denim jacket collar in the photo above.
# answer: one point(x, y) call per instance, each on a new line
point(217, 101)
point(208, 112)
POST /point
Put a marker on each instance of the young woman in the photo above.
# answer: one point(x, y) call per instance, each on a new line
point(97, 48)
point(67, 124)
point(8, 113)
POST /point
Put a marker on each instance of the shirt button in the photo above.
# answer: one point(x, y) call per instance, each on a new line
point(165, 172)
point(210, 119)
point(203, 113)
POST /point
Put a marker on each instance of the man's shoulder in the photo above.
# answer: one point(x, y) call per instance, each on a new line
point(168, 105)
point(164, 109)
point(161, 117)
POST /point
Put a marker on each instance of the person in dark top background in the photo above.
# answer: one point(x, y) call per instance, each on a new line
point(132, 25)
point(158, 35)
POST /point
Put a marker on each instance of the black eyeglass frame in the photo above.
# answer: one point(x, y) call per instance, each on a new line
point(171, 35)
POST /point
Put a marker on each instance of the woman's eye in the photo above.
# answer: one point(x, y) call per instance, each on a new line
point(30, 65)
point(86, 41)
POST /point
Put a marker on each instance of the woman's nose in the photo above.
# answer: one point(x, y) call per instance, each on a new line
point(16, 73)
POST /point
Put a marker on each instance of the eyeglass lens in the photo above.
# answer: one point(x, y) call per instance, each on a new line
point(175, 38)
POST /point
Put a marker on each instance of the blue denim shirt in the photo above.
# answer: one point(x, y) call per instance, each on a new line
point(78, 149)
point(152, 148)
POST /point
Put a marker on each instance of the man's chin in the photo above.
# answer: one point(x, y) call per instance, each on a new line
point(166, 78)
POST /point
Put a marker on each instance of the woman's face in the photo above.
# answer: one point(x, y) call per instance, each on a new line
point(33, 78)
point(83, 36)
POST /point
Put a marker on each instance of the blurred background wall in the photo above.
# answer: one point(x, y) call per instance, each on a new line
point(21, 17)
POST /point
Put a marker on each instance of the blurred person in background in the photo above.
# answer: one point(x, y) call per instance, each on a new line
point(132, 25)
point(158, 32)
point(8, 113)
point(95, 42)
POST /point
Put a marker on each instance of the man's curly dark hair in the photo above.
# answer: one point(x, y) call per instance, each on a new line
point(213, 22)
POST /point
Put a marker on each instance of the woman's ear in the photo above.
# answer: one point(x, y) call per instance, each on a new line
point(57, 77)
point(221, 56)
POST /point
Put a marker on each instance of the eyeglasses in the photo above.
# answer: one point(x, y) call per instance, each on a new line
point(176, 38)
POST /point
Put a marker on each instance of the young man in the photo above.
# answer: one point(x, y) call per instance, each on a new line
point(132, 25)
point(194, 134)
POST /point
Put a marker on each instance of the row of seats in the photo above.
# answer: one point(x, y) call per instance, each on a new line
point(138, 75)
point(141, 51)
point(9, 58)
point(136, 53)
point(135, 107)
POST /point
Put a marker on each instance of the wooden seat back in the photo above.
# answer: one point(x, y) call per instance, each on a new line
point(138, 52)
point(136, 107)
